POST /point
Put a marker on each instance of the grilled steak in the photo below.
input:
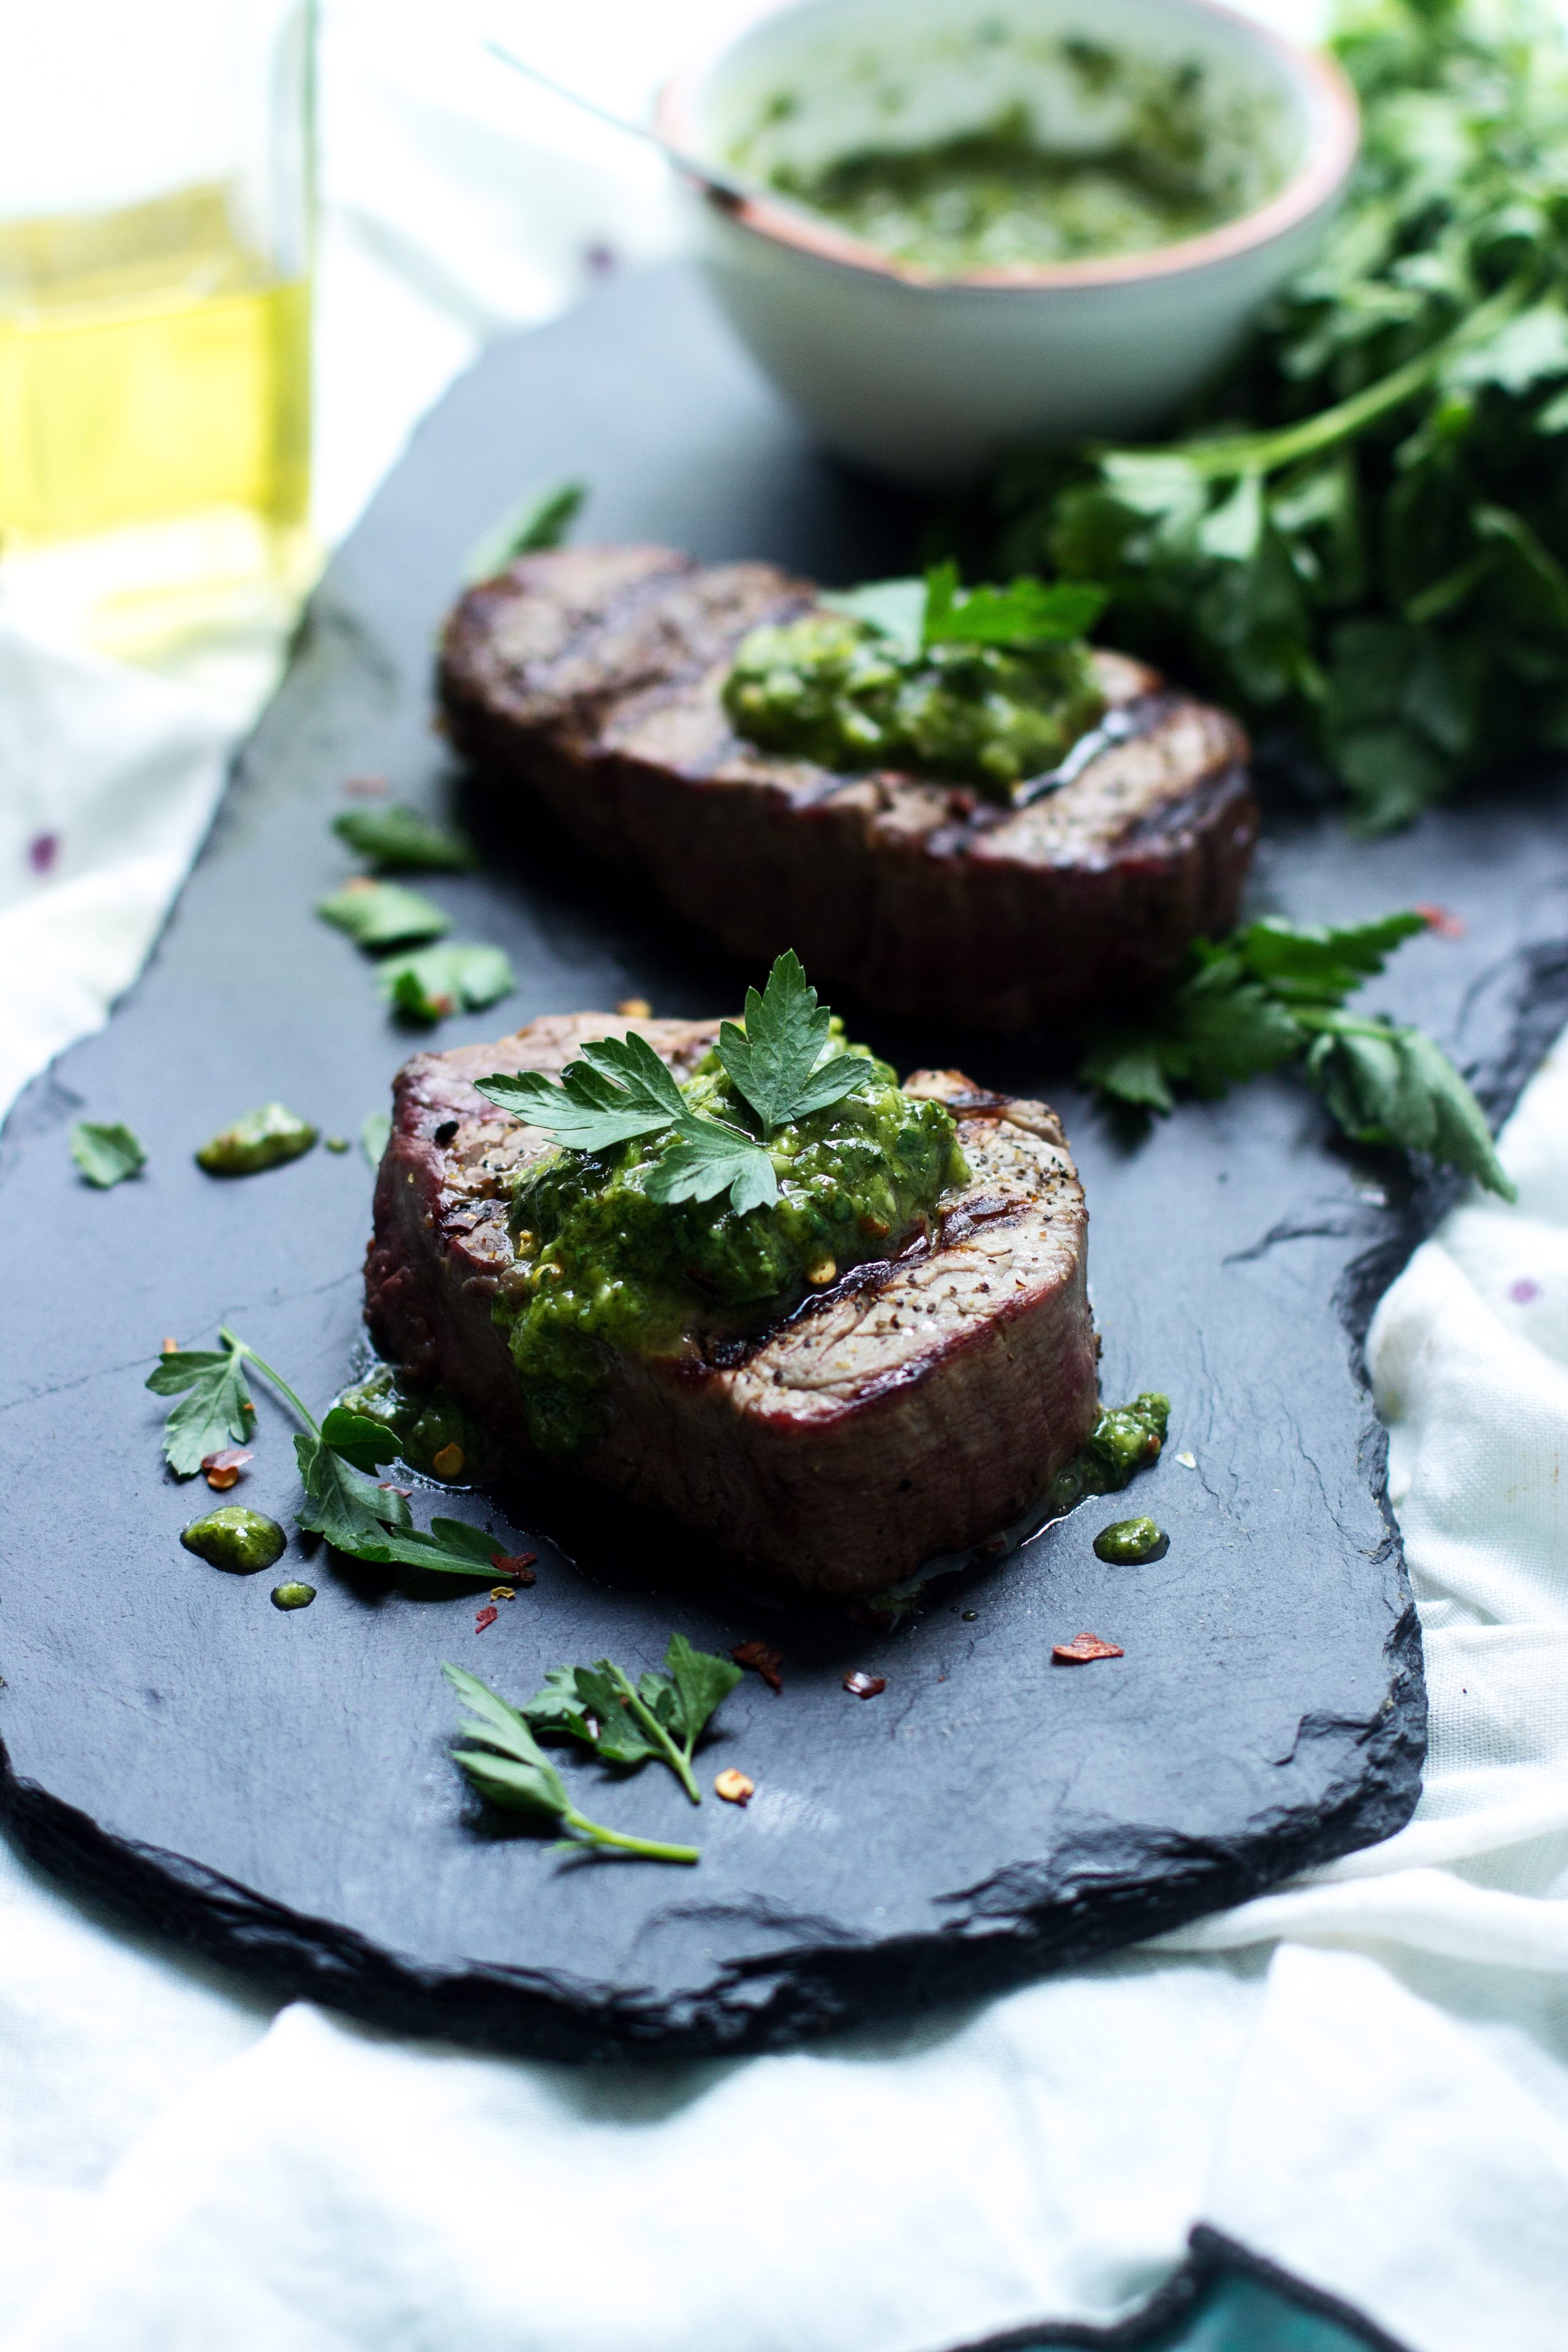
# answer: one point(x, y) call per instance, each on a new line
point(915, 1407)
point(591, 677)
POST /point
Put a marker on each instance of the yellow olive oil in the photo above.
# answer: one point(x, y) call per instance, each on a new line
point(154, 423)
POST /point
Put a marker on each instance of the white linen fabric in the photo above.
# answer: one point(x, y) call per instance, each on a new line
point(108, 780)
point(1362, 2077)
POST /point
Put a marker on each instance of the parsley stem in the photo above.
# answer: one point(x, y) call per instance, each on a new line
point(238, 1347)
point(1268, 452)
point(677, 1763)
point(649, 1848)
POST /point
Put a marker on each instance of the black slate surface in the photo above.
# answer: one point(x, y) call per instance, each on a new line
point(275, 1790)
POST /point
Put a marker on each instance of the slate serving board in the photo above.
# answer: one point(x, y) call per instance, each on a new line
point(274, 1789)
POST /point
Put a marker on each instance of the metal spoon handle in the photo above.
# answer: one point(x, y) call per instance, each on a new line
point(708, 175)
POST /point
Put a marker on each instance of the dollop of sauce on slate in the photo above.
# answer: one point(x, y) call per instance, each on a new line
point(240, 1540)
point(1128, 1541)
point(257, 1140)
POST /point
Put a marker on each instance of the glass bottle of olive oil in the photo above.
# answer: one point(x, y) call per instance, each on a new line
point(155, 376)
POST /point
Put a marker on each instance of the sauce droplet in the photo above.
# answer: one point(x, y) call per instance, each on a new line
point(237, 1539)
point(1130, 1540)
point(261, 1138)
point(293, 1596)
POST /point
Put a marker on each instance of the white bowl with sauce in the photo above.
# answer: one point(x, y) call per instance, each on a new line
point(925, 363)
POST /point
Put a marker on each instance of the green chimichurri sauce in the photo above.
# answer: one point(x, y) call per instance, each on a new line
point(268, 1137)
point(1126, 1438)
point(602, 1267)
point(1128, 1541)
point(1166, 158)
point(235, 1539)
point(427, 1424)
point(834, 689)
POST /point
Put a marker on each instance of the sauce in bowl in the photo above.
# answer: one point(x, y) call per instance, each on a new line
point(1154, 154)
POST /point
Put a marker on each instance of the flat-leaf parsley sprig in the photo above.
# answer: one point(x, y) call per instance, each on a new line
point(917, 614)
point(1275, 992)
point(628, 1723)
point(619, 1090)
point(510, 1769)
point(343, 1503)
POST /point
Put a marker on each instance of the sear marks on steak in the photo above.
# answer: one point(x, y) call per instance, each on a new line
point(916, 1407)
point(591, 678)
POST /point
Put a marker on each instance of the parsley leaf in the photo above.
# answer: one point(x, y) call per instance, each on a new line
point(342, 1504)
point(375, 1135)
point(1274, 992)
point(1305, 961)
point(384, 915)
point(509, 1768)
point(896, 609)
point(1388, 1084)
point(214, 1409)
point(454, 978)
point(398, 840)
point(711, 1159)
point(662, 1715)
point(775, 1062)
point(1029, 613)
point(915, 615)
point(452, 1547)
point(541, 520)
point(106, 1155)
point(619, 1090)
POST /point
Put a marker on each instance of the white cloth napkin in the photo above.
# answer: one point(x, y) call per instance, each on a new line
point(108, 782)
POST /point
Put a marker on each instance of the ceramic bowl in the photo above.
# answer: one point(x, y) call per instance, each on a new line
point(926, 381)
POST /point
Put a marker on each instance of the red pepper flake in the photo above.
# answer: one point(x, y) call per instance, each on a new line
point(734, 1788)
point(518, 1565)
point(222, 1470)
point(42, 851)
point(1084, 1646)
point(762, 1661)
point(387, 1487)
point(1442, 920)
point(364, 788)
point(865, 1686)
point(486, 1617)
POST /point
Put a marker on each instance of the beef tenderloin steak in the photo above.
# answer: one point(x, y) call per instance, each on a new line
point(591, 678)
point(914, 1407)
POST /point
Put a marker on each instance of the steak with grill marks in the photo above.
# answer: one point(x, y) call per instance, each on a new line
point(591, 678)
point(915, 1407)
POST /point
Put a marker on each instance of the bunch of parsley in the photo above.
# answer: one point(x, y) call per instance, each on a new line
point(1275, 992)
point(1366, 531)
